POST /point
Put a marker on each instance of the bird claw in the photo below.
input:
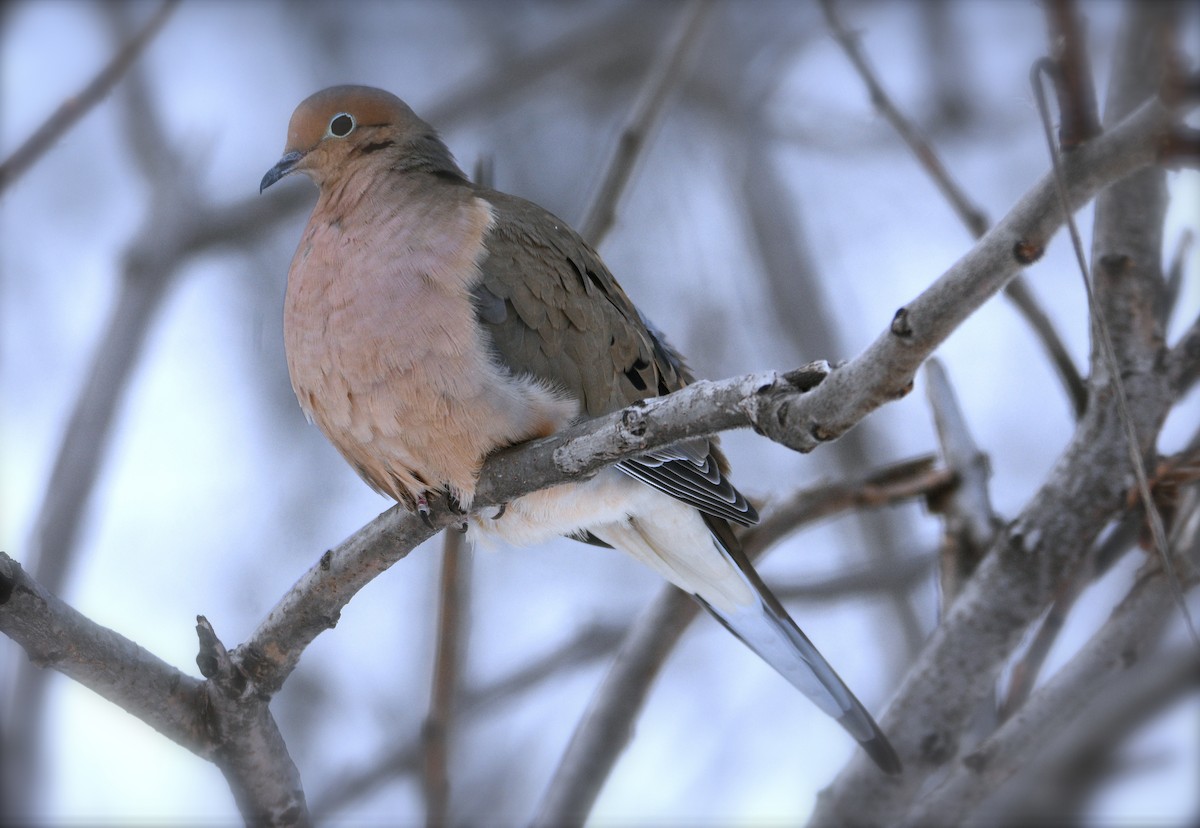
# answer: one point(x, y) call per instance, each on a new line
point(424, 511)
point(500, 511)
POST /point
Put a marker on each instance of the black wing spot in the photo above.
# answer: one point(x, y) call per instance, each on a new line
point(636, 379)
point(598, 282)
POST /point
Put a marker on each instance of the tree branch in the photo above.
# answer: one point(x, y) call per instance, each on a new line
point(249, 748)
point(662, 77)
point(1018, 578)
point(1117, 648)
point(451, 636)
point(1080, 117)
point(971, 524)
point(970, 214)
point(55, 635)
point(75, 107)
point(218, 720)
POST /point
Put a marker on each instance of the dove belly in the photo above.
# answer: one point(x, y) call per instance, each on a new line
point(654, 528)
point(391, 363)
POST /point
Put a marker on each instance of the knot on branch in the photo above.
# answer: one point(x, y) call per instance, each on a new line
point(1026, 251)
point(216, 665)
point(771, 408)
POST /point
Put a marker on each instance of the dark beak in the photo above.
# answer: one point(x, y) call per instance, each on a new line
point(285, 166)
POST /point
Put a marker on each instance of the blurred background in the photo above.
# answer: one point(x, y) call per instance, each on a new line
point(772, 218)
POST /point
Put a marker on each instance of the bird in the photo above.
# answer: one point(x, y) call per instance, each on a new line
point(430, 321)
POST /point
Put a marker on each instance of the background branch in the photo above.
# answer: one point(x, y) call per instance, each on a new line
point(75, 107)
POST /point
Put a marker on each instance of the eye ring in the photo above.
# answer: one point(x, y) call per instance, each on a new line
point(341, 125)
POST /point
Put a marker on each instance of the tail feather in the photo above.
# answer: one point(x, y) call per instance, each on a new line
point(767, 629)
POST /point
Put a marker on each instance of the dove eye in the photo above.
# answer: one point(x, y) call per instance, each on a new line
point(341, 125)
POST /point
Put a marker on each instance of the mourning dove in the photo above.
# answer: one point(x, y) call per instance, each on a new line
point(429, 321)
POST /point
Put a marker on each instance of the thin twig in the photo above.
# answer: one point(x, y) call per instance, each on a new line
point(1018, 292)
point(970, 214)
point(647, 109)
point(908, 479)
point(589, 644)
point(75, 107)
point(1028, 668)
point(903, 575)
point(970, 520)
point(1110, 359)
point(451, 632)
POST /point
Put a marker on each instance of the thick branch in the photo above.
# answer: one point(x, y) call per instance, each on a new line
point(1119, 646)
point(250, 751)
point(55, 635)
point(1020, 575)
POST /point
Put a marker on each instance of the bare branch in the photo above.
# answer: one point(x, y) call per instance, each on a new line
point(249, 748)
point(1054, 787)
point(970, 522)
point(216, 720)
point(903, 575)
point(1183, 361)
point(893, 484)
point(1120, 645)
point(647, 109)
point(589, 644)
point(55, 635)
point(970, 214)
point(1026, 671)
point(451, 635)
point(72, 109)
point(1072, 76)
point(1014, 583)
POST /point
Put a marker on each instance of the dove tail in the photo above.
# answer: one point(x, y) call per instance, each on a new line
point(767, 629)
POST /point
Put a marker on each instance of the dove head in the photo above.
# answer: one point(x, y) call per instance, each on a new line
point(345, 127)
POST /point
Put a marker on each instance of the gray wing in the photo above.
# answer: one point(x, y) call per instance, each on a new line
point(553, 310)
